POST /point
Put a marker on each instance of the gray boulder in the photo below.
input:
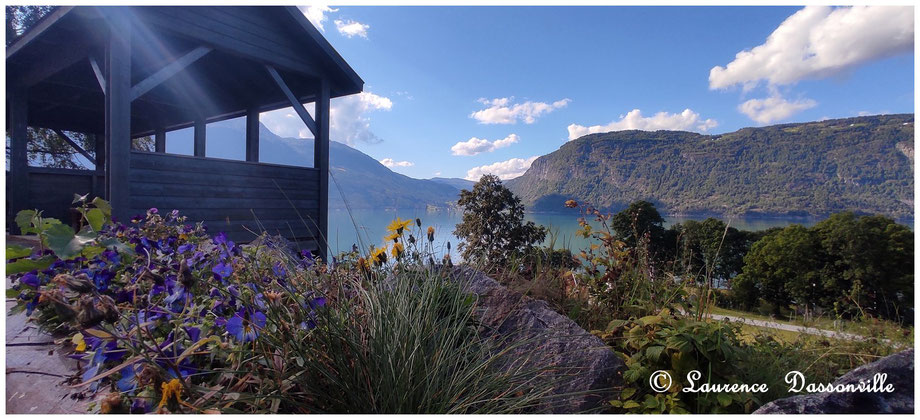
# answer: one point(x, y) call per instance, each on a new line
point(900, 370)
point(579, 363)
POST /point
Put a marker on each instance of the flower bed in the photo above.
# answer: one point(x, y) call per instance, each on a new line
point(165, 318)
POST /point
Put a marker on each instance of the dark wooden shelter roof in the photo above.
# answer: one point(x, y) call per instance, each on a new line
point(229, 46)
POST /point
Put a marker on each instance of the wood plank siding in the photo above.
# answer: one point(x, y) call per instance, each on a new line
point(234, 197)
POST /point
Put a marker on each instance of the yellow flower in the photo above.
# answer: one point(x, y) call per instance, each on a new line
point(362, 264)
point(397, 250)
point(79, 342)
point(430, 233)
point(398, 226)
point(571, 203)
point(183, 236)
point(171, 389)
point(391, 237)
point(379, 256)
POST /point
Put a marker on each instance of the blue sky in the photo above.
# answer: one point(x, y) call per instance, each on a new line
point(531, 78)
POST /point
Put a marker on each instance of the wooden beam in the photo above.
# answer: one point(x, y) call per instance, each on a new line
point(298, 107)
point(252, 135)
point(98, 72)
point(118, 117)
point(321, 162)
point(167, 72)
point(18, 182)
point(159, 138)
point(200, 137)
point(76, 146)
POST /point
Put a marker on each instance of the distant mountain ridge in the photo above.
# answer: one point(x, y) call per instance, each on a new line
point(862, 164)
point(459, 183)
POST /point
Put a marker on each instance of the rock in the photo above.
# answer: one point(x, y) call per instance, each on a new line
point(900, 370)
point(584, 365)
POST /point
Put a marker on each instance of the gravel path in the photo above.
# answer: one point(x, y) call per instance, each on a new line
point(789, 327)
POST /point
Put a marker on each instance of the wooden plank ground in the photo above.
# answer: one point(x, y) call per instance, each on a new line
point(36, 368)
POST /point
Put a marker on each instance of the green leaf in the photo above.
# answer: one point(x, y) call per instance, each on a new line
point(630, 404)
point(649, 320)
point(23, 265)
point(57, 237)
point(654, 352)
point(24, 220)
point(17, 251)
point(651, 401)
point(627, 392)
point(724, 399)
point(96, 219)
point(12, 293)
point(77, 243)
point(120, 247)
point(104, 206)
point(17, 309)
point(90, 252)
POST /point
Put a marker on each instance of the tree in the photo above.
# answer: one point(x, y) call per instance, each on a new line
point(785, 268)
point(711, 247)
point(638, 220)
point(868, 265)
point(493, 228)
point(20, 18)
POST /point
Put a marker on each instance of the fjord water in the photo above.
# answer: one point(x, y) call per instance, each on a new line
point(364, 228)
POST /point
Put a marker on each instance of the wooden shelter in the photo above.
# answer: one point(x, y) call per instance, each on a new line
point(120, 73)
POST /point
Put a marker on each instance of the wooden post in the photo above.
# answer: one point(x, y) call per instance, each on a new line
point(118, 116)
point(19, 154)
point(252, 135)
point(200, 137)
point(100, 183)
point(321, 162)
point(159, 139)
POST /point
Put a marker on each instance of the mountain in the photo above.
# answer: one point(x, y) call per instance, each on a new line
point(862, 164)
point(363, 181)
point(458, 183)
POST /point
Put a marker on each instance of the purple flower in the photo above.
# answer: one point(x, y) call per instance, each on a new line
point(127, 383)
point(31, 280)
point(279, 270)
point(222, 270)
point(244, 327)
point(194, 333)
point(153, 210)
point(185, 248)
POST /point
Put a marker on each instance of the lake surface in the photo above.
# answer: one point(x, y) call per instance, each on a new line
point(368, 227)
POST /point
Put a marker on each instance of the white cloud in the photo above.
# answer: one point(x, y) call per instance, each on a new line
point(511, 168)
point(502, 111)
point(818, 42)
point(773, 108)
point(350, 28)
point(348, 122)
point(686, 120)
point(475, 146)
point(316, 14)
point(390, 163)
